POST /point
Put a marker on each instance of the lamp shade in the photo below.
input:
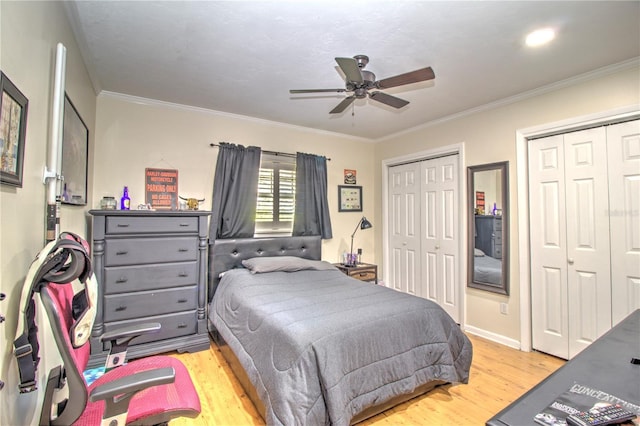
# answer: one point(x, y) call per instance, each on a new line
point(362, 224)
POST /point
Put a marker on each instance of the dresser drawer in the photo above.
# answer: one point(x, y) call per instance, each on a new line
point(149, 250)
point(172, 325)
point(123, 279)
point(141, 225)
point(147, 303)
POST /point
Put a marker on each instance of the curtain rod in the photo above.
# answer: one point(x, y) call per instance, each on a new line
point(284, 154)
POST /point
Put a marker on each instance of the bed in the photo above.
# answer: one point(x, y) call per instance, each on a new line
point(311, 345)
point(486, 269)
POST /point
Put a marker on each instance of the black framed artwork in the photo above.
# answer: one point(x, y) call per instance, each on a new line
point(13, 127)
point(349, 198)
point(75, 146)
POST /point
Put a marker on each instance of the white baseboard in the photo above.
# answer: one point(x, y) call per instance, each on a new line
point(507, 341)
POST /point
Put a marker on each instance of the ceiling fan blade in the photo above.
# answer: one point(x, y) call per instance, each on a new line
point(316, 90)
point(343, 105)
point(407, 78)
point(388, 99)
point(349, 67)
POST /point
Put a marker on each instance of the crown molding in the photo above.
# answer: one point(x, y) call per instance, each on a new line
point(172, 105)
point(581, 78)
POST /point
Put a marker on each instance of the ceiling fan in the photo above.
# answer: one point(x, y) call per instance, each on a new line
point(360, 82)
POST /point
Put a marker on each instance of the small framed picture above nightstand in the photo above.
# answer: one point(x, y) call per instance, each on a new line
point(360, 271)
point(349, 198)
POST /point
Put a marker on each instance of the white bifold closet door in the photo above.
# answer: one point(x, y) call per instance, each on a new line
point(423, 232)
point(623, 143)
point(576, 285)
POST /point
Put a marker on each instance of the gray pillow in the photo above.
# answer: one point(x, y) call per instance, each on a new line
point(284, 264)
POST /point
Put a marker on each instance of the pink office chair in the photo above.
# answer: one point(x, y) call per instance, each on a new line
point(150, 390)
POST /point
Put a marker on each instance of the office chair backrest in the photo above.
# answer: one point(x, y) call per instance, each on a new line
point(62, 261)
point(57, 300)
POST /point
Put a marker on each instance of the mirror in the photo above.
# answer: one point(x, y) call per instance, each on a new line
point(488, 252)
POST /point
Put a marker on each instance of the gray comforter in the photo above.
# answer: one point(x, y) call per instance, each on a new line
point(319, 347)
point(486, 269)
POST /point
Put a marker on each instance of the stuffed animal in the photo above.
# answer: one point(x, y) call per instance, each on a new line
point(192, 203)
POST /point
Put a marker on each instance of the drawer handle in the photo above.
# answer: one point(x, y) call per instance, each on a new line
point(183, 250)
point(121, 308)
point(182, 300)
point(183, 274)
point(122, 253)
point(121, 280)
point(123, 225)
point(184, 224)
point(364, 274)
point(182, 325)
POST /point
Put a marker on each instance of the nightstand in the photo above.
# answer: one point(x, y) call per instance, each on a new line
point(360, 271)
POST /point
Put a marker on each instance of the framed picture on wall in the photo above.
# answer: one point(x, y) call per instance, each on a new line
point(75, 146)
point(349, 177)
point(13, 126)
point(349, 198)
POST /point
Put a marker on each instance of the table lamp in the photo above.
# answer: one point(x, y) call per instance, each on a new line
point(362, 224)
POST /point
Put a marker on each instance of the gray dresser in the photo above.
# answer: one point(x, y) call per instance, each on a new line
point(151, 267)
point(489, 235)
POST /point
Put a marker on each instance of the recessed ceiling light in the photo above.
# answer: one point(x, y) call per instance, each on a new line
point(540, 37)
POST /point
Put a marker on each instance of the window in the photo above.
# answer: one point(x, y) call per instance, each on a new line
point(276, 195)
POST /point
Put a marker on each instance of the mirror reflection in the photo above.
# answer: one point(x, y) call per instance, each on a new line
point(488, 220)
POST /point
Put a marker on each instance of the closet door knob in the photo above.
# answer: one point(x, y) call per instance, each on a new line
point(570, 261)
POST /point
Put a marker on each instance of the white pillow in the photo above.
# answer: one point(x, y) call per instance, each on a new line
point(478, 253)
point(284, 264)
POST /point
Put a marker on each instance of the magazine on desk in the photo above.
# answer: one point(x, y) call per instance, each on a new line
point(580, 398)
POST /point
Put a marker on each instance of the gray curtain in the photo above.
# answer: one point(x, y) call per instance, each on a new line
point(235, 192)
point(312, 208)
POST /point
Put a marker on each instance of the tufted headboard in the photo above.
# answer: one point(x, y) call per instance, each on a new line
point(229, 254)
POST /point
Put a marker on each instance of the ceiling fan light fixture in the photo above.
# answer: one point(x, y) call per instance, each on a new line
point(540, 37)
point(368, 76)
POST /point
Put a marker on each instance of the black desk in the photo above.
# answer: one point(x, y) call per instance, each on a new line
point(604, 365)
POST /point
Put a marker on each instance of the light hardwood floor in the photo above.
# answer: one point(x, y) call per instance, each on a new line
point(499, 375)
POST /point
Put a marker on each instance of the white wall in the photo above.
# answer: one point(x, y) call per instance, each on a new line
point(29, 34)
point(133, 134)
point(489, 135)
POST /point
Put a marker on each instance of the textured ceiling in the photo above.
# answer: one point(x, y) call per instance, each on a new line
point(242, 57)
